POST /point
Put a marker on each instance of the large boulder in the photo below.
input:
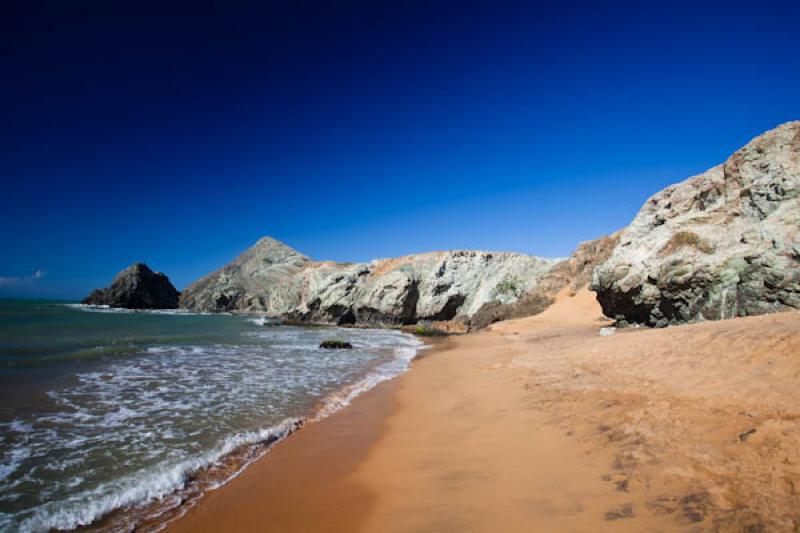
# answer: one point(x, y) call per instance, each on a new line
point(137, 287)
point(718, 245)
point(273, 279)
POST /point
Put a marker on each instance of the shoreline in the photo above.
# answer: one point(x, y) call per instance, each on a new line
point(157, 514)
point(542, 423)
point(322, 478)
point(286, 477)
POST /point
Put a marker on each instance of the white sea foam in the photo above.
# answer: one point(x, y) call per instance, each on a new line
point(138, 428)
point(143, 486)
point(14, 460)
point(383, 373)
point(93, 308)
point(266, 321)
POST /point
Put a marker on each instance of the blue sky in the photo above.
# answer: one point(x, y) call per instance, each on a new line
point(362, 129)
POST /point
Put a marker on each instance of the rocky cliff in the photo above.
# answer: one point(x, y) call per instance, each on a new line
point(569, 274)
point(718, 245)
point(137, 287)
point(454, 286)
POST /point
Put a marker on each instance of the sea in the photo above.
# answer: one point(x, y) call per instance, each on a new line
point(117, 420)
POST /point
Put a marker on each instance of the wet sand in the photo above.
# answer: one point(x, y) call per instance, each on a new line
point(542, 424)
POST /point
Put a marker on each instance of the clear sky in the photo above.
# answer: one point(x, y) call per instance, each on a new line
point(360, 129)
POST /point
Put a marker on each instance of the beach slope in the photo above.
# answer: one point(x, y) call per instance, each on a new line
point(544, 424)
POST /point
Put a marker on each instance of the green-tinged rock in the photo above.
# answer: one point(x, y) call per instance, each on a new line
point(720, 244)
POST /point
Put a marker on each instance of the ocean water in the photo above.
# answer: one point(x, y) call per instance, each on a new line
point(130, 416)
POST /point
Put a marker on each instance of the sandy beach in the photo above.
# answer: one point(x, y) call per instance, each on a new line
point(400, 267)
point(544, 424)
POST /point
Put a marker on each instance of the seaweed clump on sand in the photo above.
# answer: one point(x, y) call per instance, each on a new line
point(427, 331)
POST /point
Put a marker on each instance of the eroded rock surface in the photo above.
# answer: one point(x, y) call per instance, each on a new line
point(569, 274)
point(718, 245)
point(454, 286)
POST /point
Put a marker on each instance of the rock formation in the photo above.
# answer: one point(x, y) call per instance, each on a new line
point(570, 274)
point(453, 286)
point(137, 287)
point(718, 245)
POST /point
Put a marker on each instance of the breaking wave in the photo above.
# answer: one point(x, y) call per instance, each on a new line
point(141, 436)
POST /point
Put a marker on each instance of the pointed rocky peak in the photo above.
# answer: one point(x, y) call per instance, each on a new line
point(137, 287)
point(270, 245)
point(137, 269)
point(269, 250)
point(241, 283)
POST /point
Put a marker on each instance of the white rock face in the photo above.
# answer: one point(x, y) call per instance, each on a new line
point(718, 245)
point(273, 279)
point(721, 244)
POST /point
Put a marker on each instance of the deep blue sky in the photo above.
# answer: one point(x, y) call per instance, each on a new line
point(355, 130)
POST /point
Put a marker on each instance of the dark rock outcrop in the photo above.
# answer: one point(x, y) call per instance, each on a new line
point(722, 244)
point(336, 345)
point(137, 287)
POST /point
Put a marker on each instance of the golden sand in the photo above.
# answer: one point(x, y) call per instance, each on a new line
point(542, 424)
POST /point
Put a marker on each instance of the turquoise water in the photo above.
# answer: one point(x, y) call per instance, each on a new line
point(102, 410)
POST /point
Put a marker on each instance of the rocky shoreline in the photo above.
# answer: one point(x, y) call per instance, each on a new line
point(721, 244)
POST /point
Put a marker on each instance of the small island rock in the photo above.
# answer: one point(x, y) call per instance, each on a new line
point(137, 287)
